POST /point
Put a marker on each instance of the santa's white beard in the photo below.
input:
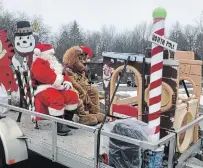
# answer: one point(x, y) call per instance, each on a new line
point(54, 64)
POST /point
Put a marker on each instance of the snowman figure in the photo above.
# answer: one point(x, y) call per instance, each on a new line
point(24, 44)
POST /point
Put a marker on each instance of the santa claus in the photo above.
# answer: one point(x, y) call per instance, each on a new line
point(53, 88)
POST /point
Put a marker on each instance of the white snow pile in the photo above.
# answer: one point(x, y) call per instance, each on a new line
point(123, 94)
point(101, 84)
point(201, 101)
point(126, 93)
point(121, 84)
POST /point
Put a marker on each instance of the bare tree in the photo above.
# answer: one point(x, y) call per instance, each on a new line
point(107, 38)
point(8, 22)
point(62, 41)
point(189, 37)
point(190, 33)
point(44, 30)
point(69, 35)
point(177, 35)
point(1, 5)
point(93, 39)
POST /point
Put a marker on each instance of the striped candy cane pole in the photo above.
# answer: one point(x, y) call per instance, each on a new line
point(31, 107)
point(159, 16)
point(23, 82)
point(31, 98)
point(9, 97)
point(16, 80)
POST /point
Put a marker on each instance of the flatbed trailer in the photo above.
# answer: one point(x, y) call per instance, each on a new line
point(80, 148)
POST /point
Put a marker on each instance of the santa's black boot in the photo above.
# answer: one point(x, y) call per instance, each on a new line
point(69, 116)
point(62, 129)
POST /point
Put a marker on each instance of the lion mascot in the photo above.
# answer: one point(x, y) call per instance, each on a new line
point(75, 59)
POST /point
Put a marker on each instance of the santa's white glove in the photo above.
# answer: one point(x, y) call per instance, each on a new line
point(67, 85)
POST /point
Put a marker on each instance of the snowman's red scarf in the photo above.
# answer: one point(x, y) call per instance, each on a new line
point(29, 55)
point(25, 54)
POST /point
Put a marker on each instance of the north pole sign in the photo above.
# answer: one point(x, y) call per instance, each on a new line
point(163, 42)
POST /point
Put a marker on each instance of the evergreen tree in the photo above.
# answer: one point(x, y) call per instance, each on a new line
point(75, 35)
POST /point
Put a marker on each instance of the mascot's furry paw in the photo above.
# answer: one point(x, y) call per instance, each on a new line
point(100, 117)
point(89, 119)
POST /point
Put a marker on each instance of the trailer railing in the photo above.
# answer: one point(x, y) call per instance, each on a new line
point(170, 139)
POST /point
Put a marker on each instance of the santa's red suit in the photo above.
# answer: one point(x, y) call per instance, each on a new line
point(52, 88)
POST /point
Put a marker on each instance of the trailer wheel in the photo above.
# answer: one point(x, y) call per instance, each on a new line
point(2, 155)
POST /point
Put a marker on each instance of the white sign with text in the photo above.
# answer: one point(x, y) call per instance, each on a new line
point(163, 42)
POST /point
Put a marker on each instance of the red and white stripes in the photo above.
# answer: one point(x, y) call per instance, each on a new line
point(27, 84)
point(156, 83)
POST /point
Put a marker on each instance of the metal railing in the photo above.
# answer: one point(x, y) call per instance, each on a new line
point(170, 139)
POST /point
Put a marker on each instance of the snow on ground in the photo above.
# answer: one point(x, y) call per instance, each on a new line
point(123, 94)
point(134, 93)
point(101, 83)
point(121, 84)
point(97, 84)
point(201, 101)
point(130, 93)
point(183, 89)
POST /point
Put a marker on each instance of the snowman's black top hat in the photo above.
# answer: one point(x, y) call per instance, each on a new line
point(23, 28)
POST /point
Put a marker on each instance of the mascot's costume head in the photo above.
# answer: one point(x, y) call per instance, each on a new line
point(76, 57)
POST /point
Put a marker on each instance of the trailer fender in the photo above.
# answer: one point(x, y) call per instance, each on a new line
point(15, 147)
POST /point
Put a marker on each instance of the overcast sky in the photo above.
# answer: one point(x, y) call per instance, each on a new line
point(92, 14)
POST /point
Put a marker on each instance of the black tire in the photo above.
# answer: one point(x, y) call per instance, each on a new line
point(2, 155)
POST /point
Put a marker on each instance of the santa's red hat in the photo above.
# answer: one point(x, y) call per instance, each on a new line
point(41, 49)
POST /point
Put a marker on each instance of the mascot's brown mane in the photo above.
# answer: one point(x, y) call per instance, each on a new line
point(71, 58)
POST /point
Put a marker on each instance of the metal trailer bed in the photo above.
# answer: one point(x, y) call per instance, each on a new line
point(80, 143)
point(80, 149)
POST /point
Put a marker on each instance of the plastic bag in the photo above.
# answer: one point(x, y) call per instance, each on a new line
point(104, 147)
point(122, 154)
point(3, 99)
